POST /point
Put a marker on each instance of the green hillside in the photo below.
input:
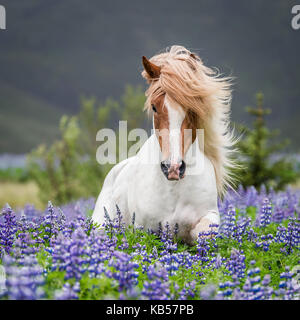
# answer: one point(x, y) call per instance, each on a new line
point(55, 51)
point(25, 120)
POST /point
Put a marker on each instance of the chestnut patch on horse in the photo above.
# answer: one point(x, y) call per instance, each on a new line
point(176, 131)
point(161, 121)
point(162, 124)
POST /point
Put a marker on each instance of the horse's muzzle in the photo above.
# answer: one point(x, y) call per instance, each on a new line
point(173, 171)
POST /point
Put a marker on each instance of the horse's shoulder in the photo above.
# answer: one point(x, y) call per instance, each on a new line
point(119, 167)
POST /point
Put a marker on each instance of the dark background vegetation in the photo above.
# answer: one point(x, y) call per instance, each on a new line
point(55, 51)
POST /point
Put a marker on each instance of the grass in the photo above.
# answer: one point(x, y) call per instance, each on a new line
point(296, 185)
point(19, 194)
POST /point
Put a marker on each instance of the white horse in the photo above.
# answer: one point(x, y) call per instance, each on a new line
point(183, 94)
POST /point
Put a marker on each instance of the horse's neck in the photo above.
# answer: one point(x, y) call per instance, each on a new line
point(150, 151)
point(194, 152)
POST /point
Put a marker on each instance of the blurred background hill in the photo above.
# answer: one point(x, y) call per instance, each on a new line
point(55, 51)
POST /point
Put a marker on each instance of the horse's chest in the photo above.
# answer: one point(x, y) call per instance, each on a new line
point(155, 203)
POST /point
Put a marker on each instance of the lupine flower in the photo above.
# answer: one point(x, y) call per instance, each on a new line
point(69, 254)
point(236, 263)
point(203, 247)
point(290, 236)
point(264, 242)
point(166, 237)
point(187, 292)
point(23, 281)
point(124, 271)
point(157, 288)
point(229, 222)
point(68, 292)
point(209, 292)
point(288, 288)
point(50, 222)
point(64, 242)
point(266, 213)
point(8, 230)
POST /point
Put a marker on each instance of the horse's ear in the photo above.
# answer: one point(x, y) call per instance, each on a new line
point(152, 70)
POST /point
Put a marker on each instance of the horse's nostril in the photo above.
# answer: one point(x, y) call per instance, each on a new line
point(165, 166)
point(182, 169)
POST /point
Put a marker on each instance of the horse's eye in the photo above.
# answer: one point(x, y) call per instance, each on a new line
point(153, 108)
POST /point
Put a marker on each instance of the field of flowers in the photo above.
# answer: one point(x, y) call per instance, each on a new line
point(60, 254)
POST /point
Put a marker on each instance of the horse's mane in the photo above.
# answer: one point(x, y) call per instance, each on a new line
point(200, 90)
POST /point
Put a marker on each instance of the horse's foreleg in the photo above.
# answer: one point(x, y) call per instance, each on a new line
point(205, 225)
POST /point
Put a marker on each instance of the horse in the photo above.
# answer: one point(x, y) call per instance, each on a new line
point(183, 94)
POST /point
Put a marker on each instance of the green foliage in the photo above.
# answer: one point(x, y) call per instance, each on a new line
point(133, 100)
point(93, 288)
point(257, 149)
point(56, 170)
point(14, 175)
point(68, 169)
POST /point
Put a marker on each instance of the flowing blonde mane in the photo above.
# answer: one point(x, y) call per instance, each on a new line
point(200, 90)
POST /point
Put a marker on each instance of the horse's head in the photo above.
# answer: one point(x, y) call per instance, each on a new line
point(185, 94)
point(175, 127)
